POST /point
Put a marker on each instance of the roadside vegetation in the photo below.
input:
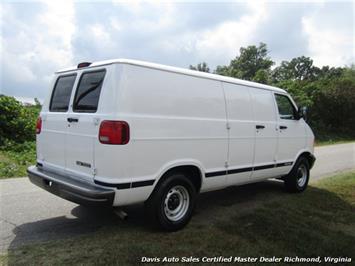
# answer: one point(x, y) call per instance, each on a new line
point(15, 158)
point(328, 92)
point(332, 142)
point(253, 220)
point(17, 136)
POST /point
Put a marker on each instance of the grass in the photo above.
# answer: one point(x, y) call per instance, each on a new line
point(15, 158)
point(253, 220)
point(333, 141)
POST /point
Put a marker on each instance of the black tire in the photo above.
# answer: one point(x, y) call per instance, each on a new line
point(292, 181)
point(172, 189)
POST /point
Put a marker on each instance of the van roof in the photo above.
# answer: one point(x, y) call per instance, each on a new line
point(177, 70)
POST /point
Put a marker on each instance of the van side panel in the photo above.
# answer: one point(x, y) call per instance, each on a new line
point(111, 161)
point(265, 137)
point(241, 132)
point(173, 118)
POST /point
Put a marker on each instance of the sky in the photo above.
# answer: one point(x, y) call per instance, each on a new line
point(38, 38)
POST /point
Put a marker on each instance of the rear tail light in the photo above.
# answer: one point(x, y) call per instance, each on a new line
point(114, 132)
point(39, 125)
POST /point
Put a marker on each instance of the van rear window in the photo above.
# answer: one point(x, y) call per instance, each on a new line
point(61, 93)
point(88, 92)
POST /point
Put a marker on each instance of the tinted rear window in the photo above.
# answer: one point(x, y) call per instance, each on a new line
point(88, 92)
point(61, 93)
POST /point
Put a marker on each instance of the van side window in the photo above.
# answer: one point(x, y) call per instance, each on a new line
point(61, 93)
point(286, 108)
point(88, 92)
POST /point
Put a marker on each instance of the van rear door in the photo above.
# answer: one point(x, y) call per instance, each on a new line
point(83, 124)
point(51, 140)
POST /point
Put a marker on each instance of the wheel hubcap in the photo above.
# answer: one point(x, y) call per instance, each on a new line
point(176, 203)
point(173, 202)
point(301, 175)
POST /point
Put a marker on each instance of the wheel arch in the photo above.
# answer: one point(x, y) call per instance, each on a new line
point(309, 156)
point(192, 169)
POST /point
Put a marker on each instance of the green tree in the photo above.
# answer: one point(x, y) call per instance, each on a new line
point(222, 70)
point(37, 102)
point(262, 76)
point(299, 68)
point(333, 112)
point(327, 72)
point(253, 63)
point(203, 67)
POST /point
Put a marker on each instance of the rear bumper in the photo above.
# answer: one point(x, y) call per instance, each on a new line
point(71, 189)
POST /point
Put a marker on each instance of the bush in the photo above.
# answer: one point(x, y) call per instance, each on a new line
point(17, 122)
point(17, 136)
point(333, 112)
point(331, 100)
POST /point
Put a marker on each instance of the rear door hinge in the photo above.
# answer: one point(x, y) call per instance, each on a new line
point(226, 165)
point(228, 126)
point(94, 171)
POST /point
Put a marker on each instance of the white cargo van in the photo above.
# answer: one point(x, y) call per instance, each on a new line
point(122, 132)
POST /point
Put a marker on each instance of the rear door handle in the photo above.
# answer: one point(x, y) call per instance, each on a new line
point(260, 126)
point(71, 120)
point(283, 127)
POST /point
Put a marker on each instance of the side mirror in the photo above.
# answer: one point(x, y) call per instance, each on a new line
point(302, 113)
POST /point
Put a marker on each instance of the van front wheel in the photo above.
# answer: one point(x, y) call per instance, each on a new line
point(172, 203)
point(297, 179)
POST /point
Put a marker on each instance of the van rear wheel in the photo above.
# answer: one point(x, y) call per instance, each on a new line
point(297, 179)
point(172, 203)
